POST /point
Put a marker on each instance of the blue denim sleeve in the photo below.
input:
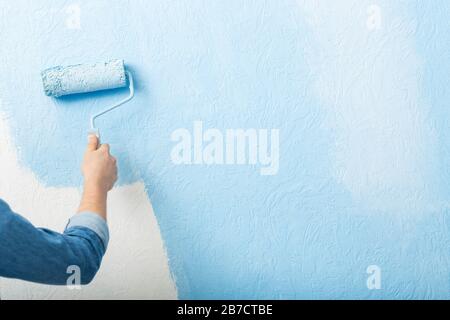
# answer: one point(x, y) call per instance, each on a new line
point(44, 256)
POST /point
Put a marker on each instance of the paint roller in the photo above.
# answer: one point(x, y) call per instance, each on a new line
point(83, 78)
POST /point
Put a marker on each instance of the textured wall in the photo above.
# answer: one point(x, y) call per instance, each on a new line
point(356, 88)
point(136, 263)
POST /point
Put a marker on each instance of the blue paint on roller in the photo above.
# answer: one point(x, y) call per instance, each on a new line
point(60, 81)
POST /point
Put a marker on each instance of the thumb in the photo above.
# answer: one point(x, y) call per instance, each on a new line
point(92, 142)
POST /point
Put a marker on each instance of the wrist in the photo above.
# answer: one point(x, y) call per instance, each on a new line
point(93, 199)
point(95, 188)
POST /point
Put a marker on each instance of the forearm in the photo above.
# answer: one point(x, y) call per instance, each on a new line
point(42, 255)
point(94, 200)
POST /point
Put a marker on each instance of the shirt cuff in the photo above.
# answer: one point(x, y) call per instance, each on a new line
point(93, 222)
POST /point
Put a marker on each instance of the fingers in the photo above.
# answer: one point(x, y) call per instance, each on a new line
point(104, 147)
point(92, 142)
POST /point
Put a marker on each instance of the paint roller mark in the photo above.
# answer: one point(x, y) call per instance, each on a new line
point(432, 42)
point(374, 17)
point(262, 78)
point(382, 140)
point(73, 19)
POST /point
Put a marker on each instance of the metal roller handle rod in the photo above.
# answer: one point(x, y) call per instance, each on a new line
point(130, 96)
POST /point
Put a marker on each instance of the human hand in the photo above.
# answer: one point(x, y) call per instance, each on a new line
point(99, 166)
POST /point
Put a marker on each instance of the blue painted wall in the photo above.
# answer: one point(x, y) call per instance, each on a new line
point(362, 108)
